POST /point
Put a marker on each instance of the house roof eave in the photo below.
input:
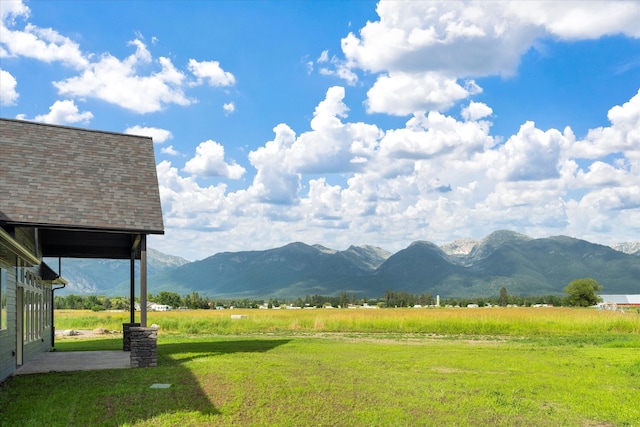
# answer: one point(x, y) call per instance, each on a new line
point(15, 247)
point(73, 228)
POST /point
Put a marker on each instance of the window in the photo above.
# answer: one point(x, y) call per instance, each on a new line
point(25, 316)
point(35, 304)
point(3, 299)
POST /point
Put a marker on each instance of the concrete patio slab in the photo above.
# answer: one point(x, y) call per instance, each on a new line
point(75, 361)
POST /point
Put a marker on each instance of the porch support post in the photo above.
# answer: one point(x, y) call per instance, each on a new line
point(132, 286)
point(132, 279)
point(143, 281)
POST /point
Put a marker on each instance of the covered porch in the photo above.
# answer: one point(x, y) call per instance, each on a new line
point(102, 244)
point(138, 340)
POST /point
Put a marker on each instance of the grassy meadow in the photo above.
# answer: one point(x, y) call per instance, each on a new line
point(389, 367)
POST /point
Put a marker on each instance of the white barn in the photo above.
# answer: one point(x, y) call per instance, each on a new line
point(622, 300)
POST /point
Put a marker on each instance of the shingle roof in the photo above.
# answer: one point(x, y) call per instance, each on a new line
point(56, 176)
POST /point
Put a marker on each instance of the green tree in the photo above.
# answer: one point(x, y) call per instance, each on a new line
point(503, 300)
point(196, 301)
point(344, 300)
point(582, 292)
point(169, 298)
point(91, 302)
point(120, 303)
point(425, 299)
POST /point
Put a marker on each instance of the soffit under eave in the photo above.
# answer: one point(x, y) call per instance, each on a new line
point(88, 244)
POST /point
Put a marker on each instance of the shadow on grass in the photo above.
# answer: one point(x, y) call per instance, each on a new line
point(125, 396)
point(187, 351)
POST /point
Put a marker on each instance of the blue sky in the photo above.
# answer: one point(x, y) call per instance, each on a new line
point(350, 122)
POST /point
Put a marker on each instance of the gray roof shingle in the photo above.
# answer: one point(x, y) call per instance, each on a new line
point(57, 176)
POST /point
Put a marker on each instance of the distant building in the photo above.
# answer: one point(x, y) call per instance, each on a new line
point(621, 300)
point(152, 306)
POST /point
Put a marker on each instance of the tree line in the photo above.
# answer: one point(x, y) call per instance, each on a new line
point(99, 303)
point(580, 292)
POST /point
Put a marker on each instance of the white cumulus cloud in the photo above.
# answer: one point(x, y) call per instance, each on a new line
point(211, 72)
point(435, 178)
point(8, 93)
point(169, 150)
point(118, 82)
point(623, 135)
point(209, 161)
point(159, 135)
point(476, 111)
point(400, 93)
point(11, 9)
point(530, 155)
point(427, 53)
point(43, 44)
point(63, 112)
point(229, 107)
point(331, 146)
point(576, 20)
point(138, 82)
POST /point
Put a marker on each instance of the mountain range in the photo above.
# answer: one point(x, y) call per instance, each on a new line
point(464, 268)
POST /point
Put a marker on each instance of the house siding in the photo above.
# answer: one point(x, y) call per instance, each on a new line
point(36, 306)
point(26, 238)
point(33, 349)
point(8, 335)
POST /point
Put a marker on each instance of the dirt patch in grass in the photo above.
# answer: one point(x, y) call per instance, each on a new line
point(377, 338)
point(401, 338)
point(447, 370)
point(87, 333)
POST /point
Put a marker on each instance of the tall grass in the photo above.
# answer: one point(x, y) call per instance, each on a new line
point(506, 322)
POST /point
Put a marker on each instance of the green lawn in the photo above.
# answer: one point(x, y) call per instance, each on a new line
point(498, 367)
point(340, 380)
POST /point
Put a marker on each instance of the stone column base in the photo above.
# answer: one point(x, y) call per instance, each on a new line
point(126, 335)
point(144, 348)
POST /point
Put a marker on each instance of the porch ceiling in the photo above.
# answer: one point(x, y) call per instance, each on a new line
point(87, 244)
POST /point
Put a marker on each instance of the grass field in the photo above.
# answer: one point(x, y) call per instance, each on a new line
point(505, 367)
point(513, 322)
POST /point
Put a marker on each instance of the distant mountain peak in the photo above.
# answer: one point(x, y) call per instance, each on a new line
point(424, 243)
point(460, 246)
point(493, 242)
point(502, 236)
point(466, 246)
point(381, 253)
point(630, 248)
point(166, 260)
point(367, 256)
point(324, 249)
